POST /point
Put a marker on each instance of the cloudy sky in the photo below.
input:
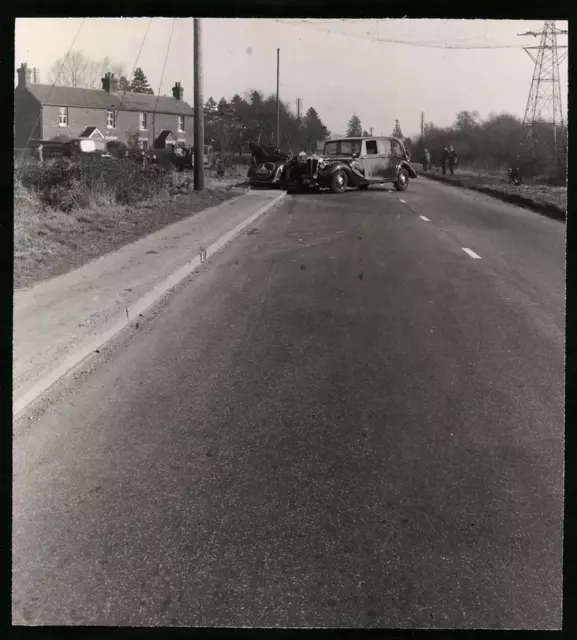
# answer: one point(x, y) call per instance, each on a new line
point(340, 67)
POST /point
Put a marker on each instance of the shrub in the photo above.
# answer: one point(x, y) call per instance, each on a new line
point(117, 148)
point(65, 185)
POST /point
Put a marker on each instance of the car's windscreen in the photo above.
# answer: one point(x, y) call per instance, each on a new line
point(342, 147)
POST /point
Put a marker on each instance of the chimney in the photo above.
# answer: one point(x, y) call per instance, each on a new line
point(177, 91)
point(109, 82)
point(24, 75)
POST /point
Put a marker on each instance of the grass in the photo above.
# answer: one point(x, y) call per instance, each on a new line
point(544, 198)
point(49, 242)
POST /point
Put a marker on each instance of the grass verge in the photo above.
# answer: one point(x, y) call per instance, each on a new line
point(547, 200)
point(49, 242)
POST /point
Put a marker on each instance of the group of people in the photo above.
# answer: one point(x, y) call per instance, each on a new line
point(449, 159)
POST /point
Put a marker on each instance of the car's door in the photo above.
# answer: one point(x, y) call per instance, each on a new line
point(370, 160)
point(398, 153)
point(387, 158)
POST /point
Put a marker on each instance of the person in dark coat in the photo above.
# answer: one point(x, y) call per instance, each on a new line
point(445, 159)
point(453, 159)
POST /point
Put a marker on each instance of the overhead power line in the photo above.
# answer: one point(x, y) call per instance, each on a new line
point(427, 44)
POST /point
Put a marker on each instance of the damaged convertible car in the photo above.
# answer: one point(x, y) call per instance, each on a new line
point(269, 165)
point(351, 162)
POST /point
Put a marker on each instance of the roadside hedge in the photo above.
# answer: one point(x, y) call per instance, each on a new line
point(65, 185)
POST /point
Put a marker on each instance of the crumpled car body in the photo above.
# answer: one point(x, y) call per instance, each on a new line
point(268, 167)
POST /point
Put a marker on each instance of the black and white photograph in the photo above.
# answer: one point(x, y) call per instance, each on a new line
point(289, 322)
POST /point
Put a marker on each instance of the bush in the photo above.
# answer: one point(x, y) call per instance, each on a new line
point(66, 185)
point(117, 148)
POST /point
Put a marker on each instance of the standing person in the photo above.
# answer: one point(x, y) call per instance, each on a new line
point(444, 159)
point(453, 159)
point(426, 159)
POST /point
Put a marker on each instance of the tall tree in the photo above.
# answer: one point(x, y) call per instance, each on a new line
point(211, 134)
point(123, 84)
point(314, 130)
point(397, 132)
point(354, 127)
point(467, 120)
point(365, 133)
point(140, 83)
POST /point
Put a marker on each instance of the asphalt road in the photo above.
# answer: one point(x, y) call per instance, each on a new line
point(344, 420)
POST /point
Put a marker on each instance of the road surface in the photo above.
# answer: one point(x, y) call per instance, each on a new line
point(352, 417)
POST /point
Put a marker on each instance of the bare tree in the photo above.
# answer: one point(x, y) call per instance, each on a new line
point(77, 70)
point(71, 71)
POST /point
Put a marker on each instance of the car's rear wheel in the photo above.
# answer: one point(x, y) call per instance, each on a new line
point(402, 181)
point(339, 181)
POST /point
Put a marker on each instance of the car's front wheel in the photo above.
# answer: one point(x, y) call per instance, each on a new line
point(402, 181)
point(339, 181)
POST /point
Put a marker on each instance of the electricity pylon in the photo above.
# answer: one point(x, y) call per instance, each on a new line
point(544, 105)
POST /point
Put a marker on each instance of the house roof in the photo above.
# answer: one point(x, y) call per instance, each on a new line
point(59, 96)
point(164, 135)
point(89, 132)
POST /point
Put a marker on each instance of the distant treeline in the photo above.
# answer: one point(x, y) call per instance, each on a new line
point(495, 144)
point(229, 125)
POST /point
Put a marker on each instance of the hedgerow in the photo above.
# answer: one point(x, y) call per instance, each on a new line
point(65, 185)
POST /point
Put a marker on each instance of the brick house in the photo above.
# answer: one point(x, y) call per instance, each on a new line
point(43, 111)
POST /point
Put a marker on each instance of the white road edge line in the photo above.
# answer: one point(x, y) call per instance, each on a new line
point(473, 255)
point(424, 218)
point(124, 318)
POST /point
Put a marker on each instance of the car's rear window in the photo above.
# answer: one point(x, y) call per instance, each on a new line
point(342, 147)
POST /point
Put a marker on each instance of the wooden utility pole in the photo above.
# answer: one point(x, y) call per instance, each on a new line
point(277, 98)
point(422, 124)
point(198, 110)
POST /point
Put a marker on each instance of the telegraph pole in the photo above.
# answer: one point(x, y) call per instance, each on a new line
point(198, 111)
point(277, 98)
point(422, 124)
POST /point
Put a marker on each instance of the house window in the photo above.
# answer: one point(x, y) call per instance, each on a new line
point(143, 144)
point(110, 120)
point(181, 123)
point(63, 117)
point(143, 121)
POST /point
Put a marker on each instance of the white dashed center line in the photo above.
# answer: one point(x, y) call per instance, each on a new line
point(403, 201)
point(472, 253)
point(425, 219)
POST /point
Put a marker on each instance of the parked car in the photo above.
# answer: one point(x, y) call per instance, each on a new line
point(353, 162)
point(268, 165)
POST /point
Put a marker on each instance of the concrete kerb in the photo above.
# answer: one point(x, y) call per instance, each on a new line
point(549, 210)
point(21, 402)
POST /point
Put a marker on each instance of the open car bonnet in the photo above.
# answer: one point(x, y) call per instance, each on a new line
point(267, 153)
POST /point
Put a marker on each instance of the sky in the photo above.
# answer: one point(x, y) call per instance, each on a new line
point(339, 67)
